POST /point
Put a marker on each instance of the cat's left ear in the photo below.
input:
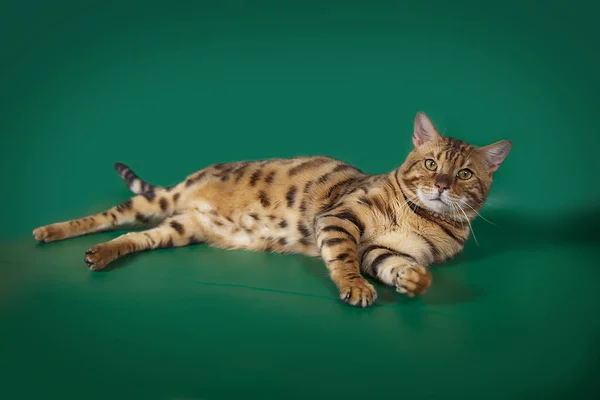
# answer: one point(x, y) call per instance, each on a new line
point(495, 153)
point(424, 130)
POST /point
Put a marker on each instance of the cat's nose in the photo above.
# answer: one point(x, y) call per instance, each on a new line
point(442, 183)
point(441, 187)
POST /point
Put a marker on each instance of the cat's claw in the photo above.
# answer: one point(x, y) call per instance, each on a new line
point(412, 280)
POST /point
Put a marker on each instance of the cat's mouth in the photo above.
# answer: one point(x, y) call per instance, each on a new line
point(436, 197)
point(434, 201)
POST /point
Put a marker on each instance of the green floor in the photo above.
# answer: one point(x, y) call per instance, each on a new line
point(169, 89)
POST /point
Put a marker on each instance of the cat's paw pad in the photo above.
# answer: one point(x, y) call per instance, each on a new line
point(413, 280)
point(97, 257)
point(358, 293)
point(48, 233)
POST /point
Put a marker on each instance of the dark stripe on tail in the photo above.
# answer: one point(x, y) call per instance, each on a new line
point(133, 182)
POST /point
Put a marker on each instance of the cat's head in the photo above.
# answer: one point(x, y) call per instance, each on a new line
point(446, 175)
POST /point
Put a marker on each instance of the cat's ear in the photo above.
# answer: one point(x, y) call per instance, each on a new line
point(495, 153)
point(424, 130)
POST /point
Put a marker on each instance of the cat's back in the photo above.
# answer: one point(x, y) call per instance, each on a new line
point(280, 178)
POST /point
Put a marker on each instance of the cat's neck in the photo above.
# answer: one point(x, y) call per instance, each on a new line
point(432, 215)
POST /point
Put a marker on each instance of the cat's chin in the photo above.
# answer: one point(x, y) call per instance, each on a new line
point(438, 205)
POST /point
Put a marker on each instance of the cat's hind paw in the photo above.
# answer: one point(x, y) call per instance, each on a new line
point(97, 257)
point(48, 233)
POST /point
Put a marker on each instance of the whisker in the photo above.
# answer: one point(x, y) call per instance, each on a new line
point(413, 207)
point(474, 210)
point(468, 222)
point(409, 200)
point(453, 211)
point(457, 217)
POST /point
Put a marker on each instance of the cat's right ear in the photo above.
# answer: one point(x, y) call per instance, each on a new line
point(495, 153)
point(424, 130)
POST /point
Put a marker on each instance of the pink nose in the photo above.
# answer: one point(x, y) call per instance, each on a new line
point(441, 186)
point(442, 182)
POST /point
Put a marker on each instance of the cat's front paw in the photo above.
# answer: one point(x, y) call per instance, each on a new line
point(358, 292)
point(49, 233)
point(412, 280)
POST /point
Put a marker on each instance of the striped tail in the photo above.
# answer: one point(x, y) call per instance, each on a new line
point(134, 183)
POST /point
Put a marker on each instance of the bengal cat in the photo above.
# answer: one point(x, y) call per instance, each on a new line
point(389, 227)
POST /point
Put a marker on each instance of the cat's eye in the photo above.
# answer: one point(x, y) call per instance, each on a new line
point(464, 174)
point(430, 164)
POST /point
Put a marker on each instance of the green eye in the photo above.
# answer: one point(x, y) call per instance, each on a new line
point(430, 164)
point(464, 174)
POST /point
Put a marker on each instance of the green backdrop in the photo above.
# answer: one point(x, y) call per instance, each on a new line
point(171, 87)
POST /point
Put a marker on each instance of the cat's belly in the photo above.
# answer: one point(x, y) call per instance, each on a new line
point(250, 229)
point(266, 206)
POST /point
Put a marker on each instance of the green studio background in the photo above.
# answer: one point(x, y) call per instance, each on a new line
point(171, 87)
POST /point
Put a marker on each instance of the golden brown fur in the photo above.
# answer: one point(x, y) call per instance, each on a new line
point(389, 227)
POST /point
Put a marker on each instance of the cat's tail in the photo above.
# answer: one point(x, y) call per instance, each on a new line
point(133, 182)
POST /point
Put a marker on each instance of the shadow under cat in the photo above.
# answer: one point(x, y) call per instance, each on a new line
point(511, 231)
point(508, 231)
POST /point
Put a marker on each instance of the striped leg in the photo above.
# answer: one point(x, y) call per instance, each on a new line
point(396, 268)
point(178, 231)
point(337, 236)
point(140, 209)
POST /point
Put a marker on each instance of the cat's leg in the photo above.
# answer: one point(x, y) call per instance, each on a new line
point(338, 233)
point(396, 268)
point(178, 231)
point(142, 209)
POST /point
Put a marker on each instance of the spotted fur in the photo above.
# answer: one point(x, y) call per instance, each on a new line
point(389, 227)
